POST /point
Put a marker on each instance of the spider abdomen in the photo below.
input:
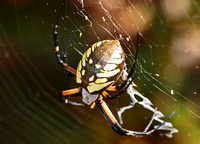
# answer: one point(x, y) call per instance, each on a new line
point(101, 66)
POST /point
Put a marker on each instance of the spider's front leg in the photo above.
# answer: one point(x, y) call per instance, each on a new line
point(116, 126)
point(69, 70)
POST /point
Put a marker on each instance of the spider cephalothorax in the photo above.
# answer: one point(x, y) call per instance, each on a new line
point(100, 67)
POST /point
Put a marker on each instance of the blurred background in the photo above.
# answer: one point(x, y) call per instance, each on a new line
point(30, 78)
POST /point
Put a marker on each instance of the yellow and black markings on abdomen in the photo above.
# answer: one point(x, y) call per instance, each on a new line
point(101, 66)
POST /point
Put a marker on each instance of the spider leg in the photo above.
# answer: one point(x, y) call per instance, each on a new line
point(150, 122)
point(65, 52)
point(114, 88)
point(65, 95)
point(116, 126)
point(69, 70)
point(124, 85)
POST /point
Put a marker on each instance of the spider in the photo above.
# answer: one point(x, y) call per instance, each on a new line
point(100, 67)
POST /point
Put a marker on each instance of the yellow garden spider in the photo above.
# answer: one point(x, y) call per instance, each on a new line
point(100, 67)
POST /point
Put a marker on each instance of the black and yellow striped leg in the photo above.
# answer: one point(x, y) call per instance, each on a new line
point(72, 93)
point(69, 70)
point(116, 126)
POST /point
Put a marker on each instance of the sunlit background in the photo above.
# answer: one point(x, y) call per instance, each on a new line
point(30, 78)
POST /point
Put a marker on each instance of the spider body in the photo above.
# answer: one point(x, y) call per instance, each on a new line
point(97, 71)
point(101, 66)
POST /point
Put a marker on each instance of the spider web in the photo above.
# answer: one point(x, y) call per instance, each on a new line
point(168, 66)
